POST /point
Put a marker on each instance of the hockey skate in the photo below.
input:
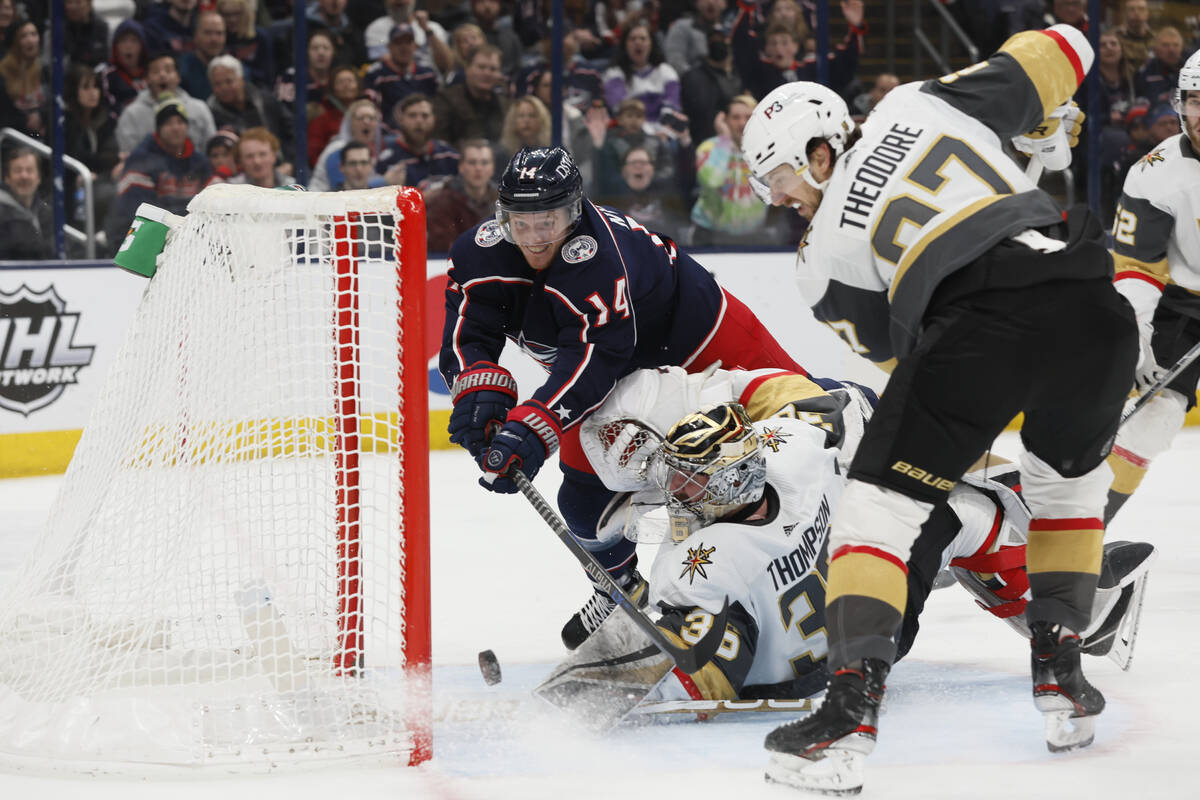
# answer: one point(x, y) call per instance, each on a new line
point(587, 619)
point(825, 751)
point(1118, 604)
point(1068, 702)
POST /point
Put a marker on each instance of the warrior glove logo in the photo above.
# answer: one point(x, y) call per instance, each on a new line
point(38, 355)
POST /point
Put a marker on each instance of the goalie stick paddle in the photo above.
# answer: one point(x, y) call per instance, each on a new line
point(688, 659)
point(1183, 363)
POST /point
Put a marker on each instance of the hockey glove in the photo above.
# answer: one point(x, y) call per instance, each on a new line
point(482, 394)
point(528, 438)
point(1148, 371)
point(1051, 142)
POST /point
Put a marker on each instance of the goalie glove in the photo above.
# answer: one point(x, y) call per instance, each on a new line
point(1051, 142)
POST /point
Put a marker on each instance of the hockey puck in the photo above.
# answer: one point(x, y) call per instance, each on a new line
point(489, 667)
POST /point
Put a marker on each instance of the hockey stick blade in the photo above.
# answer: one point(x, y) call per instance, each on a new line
point(688, 659)
point(1183, 363)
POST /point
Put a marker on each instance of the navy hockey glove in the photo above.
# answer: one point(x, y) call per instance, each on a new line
point(482, 394)
point(528, 438)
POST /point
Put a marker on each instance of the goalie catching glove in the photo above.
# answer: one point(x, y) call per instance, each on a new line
point(1051, 142)
point(482, 394)
point(529, 436)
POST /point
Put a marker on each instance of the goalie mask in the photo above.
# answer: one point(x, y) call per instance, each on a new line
point(710, 464)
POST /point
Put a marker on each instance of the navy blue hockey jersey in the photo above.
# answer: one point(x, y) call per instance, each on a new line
point(616, 298)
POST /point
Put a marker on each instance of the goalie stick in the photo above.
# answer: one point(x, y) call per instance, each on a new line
point(1183, 363)
point(688, 659)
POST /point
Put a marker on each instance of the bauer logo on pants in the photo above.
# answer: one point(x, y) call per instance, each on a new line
point(38, 354)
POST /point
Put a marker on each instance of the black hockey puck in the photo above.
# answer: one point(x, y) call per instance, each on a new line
point(489, 667)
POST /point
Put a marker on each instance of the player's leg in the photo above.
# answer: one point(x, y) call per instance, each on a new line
point(944, 405)
point(585, 504)
point(1081, 378)
point(1149, 432)
point(741, 341)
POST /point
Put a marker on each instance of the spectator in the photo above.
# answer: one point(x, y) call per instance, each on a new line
point(583, 132)
point(8, 15)
point(165, 169)
point(727, 211)
point(864, 103)
point(647, 198)
point(1135, 34)
point(238, 106)
point(687, 39)
point(1068, 12)
point(776, 64)
point(208, 43)
point(222, 154)
point(486, 14)
point(1146, 128)
point(641, 73)
point(581, 83)
point(24, 78)
point(344, 89)
point(473, 109)
point(25, 217)
point(171, 26)
point(1116, 81)
point(1157, 78)
point(398, 74)
point(85, 33)
point(527, 124)
point(90, 137)
point(360, 124)
point(787, 14)
point(348, 46)
point(125, 73)
point(708, 87)
point(431, 38)
point(463, 41)
point(412, 155)
point(358, 169)
point(257, 152)
point(320, 62)
point(629, 132)
point(462, 202)
point(137, 120)
point(247, 43)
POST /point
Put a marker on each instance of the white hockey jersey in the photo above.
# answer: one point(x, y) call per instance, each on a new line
point(1156, 230)
point(928, 189)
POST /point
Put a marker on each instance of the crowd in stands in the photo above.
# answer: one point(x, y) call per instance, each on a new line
point(438, 94)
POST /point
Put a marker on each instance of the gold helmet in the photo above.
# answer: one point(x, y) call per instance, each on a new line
point(711, 462)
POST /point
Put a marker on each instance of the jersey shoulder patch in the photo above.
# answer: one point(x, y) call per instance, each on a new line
point(581, 248)
point(489, 234)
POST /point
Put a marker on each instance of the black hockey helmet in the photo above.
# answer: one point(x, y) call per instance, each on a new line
point(540, 179)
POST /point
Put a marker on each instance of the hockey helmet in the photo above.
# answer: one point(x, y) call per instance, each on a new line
point(544, 183)
point(783, 124)
point(1189, 78)
point(711, 462)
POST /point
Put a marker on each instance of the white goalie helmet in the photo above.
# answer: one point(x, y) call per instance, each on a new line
point(1189, 78)
point(785, 121)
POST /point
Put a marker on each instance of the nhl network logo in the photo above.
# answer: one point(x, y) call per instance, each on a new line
point(38, 356)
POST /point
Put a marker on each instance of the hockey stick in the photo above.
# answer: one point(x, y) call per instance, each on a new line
point(688, 659)
point(703, 709)
point(1183, 363)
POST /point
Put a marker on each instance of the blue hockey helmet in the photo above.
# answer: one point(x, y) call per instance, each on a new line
point(537, 181)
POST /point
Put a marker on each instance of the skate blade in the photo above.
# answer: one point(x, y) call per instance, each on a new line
point(839, 773)
point(1065, 732)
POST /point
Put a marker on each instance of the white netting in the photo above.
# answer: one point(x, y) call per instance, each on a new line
point(221, 579)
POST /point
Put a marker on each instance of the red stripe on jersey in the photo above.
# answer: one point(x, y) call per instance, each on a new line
point(1067, 524)
point(1141, 276)
point(752, 387)
point(847, 549)
point(1069, 52)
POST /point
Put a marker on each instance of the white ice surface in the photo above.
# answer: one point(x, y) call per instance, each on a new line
point(959, 722)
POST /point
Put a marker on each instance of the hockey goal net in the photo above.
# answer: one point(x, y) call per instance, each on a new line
point(235, 571)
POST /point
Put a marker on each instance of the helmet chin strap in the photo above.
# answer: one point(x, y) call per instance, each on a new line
point(807, 175)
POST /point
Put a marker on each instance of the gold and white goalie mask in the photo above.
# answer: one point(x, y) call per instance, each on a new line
point(710, 463)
